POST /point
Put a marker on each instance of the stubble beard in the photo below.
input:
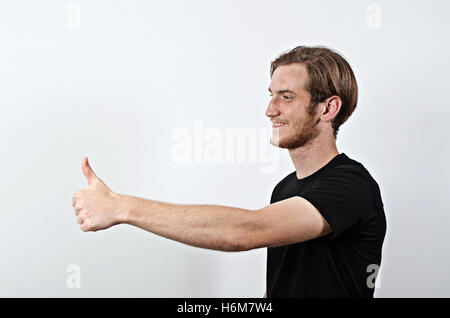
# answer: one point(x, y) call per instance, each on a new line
point(304, 133)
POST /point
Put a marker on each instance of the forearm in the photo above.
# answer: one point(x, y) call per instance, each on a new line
point(207, 226)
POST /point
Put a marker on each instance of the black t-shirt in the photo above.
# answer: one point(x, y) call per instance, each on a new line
point(342, 263)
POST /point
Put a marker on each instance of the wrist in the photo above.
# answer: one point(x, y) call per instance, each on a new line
point(124, 203)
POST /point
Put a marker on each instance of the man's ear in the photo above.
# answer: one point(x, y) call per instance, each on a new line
point(332, 107)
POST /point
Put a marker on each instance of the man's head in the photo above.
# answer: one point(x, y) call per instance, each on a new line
point(314, 92)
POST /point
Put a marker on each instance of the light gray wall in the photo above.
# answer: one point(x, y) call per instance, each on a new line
point(120, 81)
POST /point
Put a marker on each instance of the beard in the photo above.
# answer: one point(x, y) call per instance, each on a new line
point(304, 132)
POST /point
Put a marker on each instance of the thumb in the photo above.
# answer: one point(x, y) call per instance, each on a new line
point(88, 172)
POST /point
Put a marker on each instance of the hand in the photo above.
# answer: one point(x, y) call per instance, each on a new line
point(96, 207)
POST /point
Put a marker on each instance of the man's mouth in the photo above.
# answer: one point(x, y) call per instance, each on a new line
point(278, 124)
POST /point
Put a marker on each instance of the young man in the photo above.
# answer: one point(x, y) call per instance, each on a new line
point(325, 225)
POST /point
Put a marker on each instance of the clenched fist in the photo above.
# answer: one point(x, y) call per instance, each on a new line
point(96, 207)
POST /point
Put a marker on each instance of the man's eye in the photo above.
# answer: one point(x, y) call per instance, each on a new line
point(284, 96)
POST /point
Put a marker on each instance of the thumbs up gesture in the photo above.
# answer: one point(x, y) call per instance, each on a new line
point(96, 207)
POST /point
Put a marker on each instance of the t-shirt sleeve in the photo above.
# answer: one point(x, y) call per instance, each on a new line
point(343, 196)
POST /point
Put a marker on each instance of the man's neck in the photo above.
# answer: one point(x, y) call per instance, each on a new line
point(311, 157)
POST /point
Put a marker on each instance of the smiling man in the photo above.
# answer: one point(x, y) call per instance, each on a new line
point(325, 225)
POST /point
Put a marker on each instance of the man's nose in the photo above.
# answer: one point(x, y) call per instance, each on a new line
point(272, 110)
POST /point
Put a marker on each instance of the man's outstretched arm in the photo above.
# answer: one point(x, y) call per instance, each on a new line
point(207, 226)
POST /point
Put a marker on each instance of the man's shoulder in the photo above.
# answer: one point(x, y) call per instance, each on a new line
point(352, 175)
point(286, 180)
point(353, 167)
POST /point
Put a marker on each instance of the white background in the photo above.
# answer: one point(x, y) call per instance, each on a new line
point(116, 86)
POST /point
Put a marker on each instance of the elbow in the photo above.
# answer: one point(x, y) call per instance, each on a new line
point(247, 235)
point(237, 248)
point(244, 241)
point(236, 243)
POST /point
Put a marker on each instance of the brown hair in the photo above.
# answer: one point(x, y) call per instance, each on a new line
point(329, 74)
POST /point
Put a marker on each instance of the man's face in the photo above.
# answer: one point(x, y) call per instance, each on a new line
point(294, 122)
